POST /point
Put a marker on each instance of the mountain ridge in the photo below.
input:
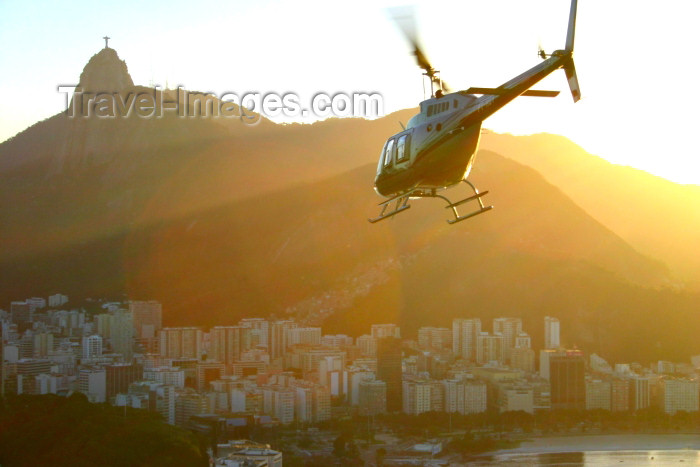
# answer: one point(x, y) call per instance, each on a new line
point(220, 220)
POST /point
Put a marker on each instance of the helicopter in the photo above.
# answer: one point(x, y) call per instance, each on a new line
point(436, 149)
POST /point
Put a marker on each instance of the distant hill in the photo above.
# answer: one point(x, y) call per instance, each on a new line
point(658, 217)
point(220, 220)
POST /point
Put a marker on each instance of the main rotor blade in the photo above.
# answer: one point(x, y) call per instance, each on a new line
point(405, 19)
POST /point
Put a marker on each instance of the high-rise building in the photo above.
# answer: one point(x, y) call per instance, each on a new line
point(523, 341)
point(620, 394)
point(164, 396)
point(598, 394)
point(21, 313)
point(57, 300)
point(464, 396)
point(367, 345)
point(36, 303)
point(490, 348)
point(372, 397)
point(416, 396)
point(331, 373)
point(278, 337)
point(183, 342)
point(639, 393)
point(187, 404)
point(121, 333)
point(567, 380)
point(165, 375)
point(523, 358)
point(551, 333)
point(389, 370)
point(464, 334)
point(312, 402)
point(148, 318)
point(260, 331)
point(510, 329)
point(278, 402)
point(227, 343)
point(93, 383)
point(353, 377)
point(514, 396)
point(337, 341)
point(102, 323)
point(679, 395)
point(43, 344)
point(435, 338)
point(545, 355)
point(208, 372)
point(92, 346)
point(303, 336)
point(380, 331)
point(119, 376)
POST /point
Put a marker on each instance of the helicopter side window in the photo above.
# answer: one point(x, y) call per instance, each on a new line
point(388, 153)
point(402, 151)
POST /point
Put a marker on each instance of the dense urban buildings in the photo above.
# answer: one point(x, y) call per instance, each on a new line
point(281, 371)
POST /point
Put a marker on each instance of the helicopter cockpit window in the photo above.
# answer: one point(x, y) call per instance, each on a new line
point(402, 152)
point(389, 152)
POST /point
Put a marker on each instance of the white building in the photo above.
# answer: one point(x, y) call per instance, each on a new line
point(353, 377)
point(121, 333)
point(510, 329)
point(464, 396)
point(464, 335)
point(92, 346)
point(57, 300)
point(303, 336)
point(227, 343)
point(416, 397)
point(598, 395)
point(679, 394)
point(367, 345)
point(93, 383)
point(259, 331)
point(336, 341)
point(165, 375)
point(182, 342)
point(278, 402)
point(490, 348)
point(551, 333)
point(385, 330)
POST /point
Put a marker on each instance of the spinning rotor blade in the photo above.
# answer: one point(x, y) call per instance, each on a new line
point(406, 21)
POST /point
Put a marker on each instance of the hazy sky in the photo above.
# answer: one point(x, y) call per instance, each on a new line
point(637, 60)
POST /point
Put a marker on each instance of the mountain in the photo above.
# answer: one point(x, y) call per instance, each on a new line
point(657, 217)
point(219, 220)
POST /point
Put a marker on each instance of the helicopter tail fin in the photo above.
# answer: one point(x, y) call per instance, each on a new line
point(569, 47)
point(569, 67)
point(571, 77)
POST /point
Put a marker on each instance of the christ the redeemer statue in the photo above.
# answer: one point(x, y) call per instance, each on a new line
point(106, 38)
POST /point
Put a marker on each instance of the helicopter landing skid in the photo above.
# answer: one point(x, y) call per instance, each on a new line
point(401, 203)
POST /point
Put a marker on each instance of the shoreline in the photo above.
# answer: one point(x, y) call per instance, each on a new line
point(596, 442)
